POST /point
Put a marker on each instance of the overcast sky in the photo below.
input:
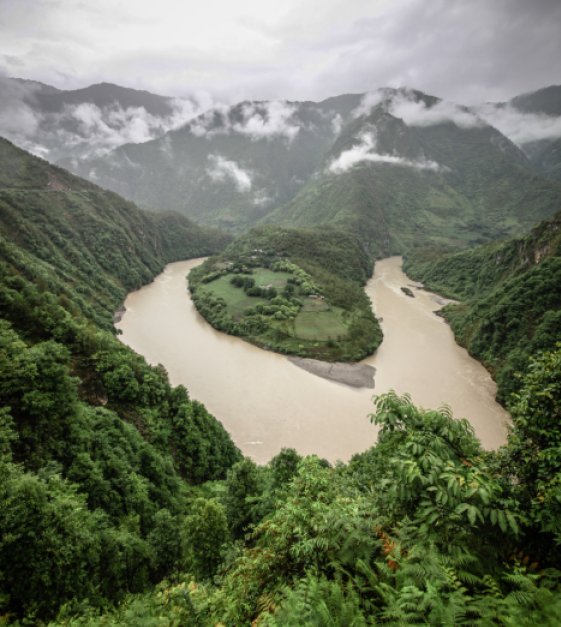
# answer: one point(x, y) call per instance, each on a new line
point(464, 50)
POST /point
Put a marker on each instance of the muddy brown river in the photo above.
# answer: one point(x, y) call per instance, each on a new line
point(266, 402)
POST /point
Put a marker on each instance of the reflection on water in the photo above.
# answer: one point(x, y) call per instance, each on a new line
point(267, 403)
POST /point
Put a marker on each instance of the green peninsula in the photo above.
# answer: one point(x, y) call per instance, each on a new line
point(293, 291)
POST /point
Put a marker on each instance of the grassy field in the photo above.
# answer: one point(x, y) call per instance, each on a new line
point(320, 325)
point(236, 299)
point(264, 277)
point(317, 321)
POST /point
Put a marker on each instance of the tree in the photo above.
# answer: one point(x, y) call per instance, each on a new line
point(205, 534)
point(243, 487)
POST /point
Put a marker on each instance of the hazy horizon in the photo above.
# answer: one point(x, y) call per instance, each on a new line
point(468, 52)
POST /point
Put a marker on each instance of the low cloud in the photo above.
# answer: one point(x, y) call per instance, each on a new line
point(369, 101)
point(256, 120)
point(403, 104)
point(82, 130)
point(519, 127)
point(337, 124)
point(222, 169)
point(365, 151)
point(416, 113)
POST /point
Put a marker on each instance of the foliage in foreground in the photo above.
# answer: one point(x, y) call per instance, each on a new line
point(424, 528)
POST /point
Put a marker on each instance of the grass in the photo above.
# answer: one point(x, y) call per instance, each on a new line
point(264, 277)
point(236, 299)
point(320, 325)
point(317, 321)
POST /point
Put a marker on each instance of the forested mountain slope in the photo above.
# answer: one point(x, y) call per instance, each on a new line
point(408, 172)
point(510, 295)
point(100, 245)
point(394, 166)
point(97, 450)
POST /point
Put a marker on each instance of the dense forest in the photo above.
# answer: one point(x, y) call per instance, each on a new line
point(510, 295)
point(99, 453)
point(123, 502)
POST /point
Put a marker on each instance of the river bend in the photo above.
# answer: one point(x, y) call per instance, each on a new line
point(266, 402)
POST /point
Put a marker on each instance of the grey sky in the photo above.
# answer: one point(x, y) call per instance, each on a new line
point(464, 50)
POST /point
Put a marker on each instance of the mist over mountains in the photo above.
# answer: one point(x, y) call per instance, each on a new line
point(57, 124)
point(392, 164)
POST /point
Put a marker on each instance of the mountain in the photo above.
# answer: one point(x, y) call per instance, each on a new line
point(231, 165)
point(533, 121)
point(545, 101)
point(412, 169)
point(93, 238)
point(397, 167)
point(510, 295)
point(102, 95)
point(72, 124)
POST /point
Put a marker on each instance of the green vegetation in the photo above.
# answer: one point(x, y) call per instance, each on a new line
point(123, 502)
point(99, 456)
point(511, 298)
point(423, 528)
point(293, 291)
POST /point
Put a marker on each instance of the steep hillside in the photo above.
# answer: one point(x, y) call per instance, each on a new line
point(229, 166)
point(412, 170)
point(510, 297)
point(97, 452)
point(93, 238)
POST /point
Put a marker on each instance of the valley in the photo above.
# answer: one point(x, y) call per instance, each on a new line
point(167, 470)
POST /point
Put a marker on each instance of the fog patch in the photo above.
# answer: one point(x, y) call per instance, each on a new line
point(83, 130)
point(365, 151)
point(409, 107)
point(257, 120)
point(417, 113)
point(369, 101)
point(222, 169)
point(337, 124)
point(261, 198)
point(521, 128)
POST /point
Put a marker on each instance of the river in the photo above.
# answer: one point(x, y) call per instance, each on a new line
point(266, 402)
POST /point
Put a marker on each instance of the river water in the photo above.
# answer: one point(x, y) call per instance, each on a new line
point(266, 402)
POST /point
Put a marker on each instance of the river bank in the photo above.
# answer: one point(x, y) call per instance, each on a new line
point(355, 375)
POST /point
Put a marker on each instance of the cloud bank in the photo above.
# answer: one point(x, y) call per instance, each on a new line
point(222, 169)
point(260, 120)
point(519, 127)
point(406, 105)
point(365, 151)
point(84, 129)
